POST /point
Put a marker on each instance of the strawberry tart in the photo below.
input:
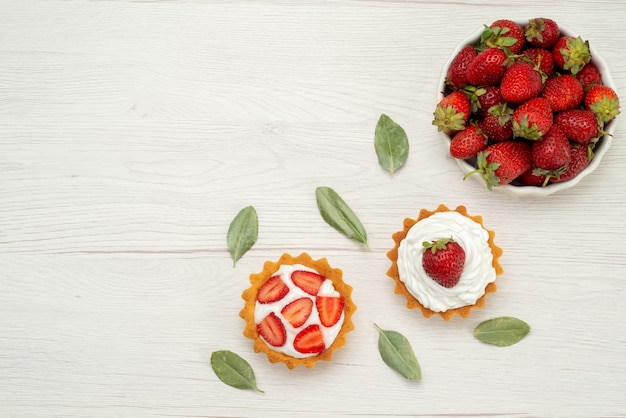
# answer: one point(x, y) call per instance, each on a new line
point(297, 310)
point(444, 262)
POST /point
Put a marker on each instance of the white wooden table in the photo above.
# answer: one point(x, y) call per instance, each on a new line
point(132, 132)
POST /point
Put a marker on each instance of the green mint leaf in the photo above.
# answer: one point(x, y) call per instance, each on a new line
point(233, 370)
point(397, 353)
point(242, 233)
point(338, 214)
point(391, 144)
point(502, 331)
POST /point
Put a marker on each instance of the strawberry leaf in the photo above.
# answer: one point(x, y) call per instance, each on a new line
point(397, 353)
point(391, 144)
point(233, 370)
point(338, 214)
point(502, 331)
point(242, 232)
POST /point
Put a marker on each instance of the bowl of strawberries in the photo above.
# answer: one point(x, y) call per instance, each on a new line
point(526, 107)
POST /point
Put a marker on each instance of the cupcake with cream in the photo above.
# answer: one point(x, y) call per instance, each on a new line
point(444, 262)
point(298, 310)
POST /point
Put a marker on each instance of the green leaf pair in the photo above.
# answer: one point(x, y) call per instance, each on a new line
point(244, 228)
point(397, 353)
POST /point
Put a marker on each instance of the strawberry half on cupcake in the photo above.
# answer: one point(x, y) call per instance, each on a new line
point(444, 262)
point(298, 310)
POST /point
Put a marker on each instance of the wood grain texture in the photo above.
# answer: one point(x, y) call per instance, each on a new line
point(132, 132)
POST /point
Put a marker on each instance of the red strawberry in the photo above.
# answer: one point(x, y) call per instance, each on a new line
point(589, 76)
point(502, 162)
point(272, 290)
point(330, 309)
point(563, 92)
point(310, 340)
point(603, 101)
point(521, 82)
point(487, 68)
point(452, 112)
point(581, 156)
point(578, 125)
point(490, 96)
point(456, 76)
point(532, 177)
point(467, 143)
point(542, 58)
point(443, 261)
point(532, 119)
point(552, 151)
point(298, 311)
point(542, 32)
point(473, 93)
point(497, 124)
point(571, 54)
point(504, 33)
point(272, 330)
point(308, 281)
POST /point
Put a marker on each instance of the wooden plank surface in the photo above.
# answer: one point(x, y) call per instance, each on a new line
point(132, 132)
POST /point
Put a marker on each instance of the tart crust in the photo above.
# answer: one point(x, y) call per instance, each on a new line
point(400, 288)
point(269, 268)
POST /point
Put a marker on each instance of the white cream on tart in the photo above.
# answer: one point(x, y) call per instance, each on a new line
point(478, 271)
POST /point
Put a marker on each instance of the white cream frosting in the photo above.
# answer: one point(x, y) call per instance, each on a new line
point(261, 310)
point(478, 271)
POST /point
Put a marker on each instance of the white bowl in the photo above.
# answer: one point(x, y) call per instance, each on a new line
point(600, 149)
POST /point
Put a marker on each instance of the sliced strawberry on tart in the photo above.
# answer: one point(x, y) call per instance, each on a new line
point(298, 310)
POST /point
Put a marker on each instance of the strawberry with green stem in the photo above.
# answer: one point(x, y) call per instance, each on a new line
point(474, 95)
point(443, 260)
point(589, 76)
point(502, 162)
point(571, 53)
point(579, 125)
point(581, 157)
point(603, 101)
point(452, 112)
point(467, 143)
point(504, 34)
point(497, 125)
point(487, 96)
point(542, 58)
point(532, 119)
point(542, 32)
point(532, 177)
